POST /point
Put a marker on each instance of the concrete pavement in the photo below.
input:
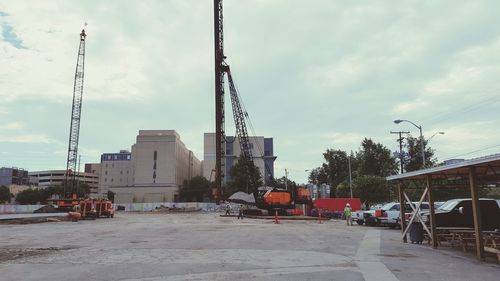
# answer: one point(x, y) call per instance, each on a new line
point(208, 247)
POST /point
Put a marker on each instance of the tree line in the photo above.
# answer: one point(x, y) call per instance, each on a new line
point(32, 196)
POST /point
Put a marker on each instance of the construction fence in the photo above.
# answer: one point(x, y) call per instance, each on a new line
point(134, 207)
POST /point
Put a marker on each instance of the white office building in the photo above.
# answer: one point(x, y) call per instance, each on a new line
point(262, 152)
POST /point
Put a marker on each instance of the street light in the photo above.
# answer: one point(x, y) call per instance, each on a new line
point(421, 138)
point(441, 133)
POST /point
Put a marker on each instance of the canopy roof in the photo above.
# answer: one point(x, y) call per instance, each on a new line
point(487, 170)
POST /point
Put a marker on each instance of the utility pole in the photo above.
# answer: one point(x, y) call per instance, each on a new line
point(78, 171)
point(350, 177)
point(400, 140)
point(286, 179)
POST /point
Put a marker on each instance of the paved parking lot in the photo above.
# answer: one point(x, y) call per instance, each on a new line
point(207, 247)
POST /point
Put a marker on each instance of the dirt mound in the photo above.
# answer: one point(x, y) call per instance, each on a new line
point(46, 209)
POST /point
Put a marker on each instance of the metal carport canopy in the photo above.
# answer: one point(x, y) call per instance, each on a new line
point(484, 170)
point(487, 167)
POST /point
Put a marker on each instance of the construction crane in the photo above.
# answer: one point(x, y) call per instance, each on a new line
point(76, 112)
point(222, 68)
point(239, 116)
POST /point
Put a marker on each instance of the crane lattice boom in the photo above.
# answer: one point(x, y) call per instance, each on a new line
point(76, 111)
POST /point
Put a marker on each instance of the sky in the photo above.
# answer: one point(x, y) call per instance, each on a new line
point(312, 75)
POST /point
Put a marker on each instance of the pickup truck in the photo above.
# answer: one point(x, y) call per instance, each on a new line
point(458, 213)
point(387, 215)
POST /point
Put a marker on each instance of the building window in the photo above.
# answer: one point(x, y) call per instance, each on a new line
point(105, 172)
point(121, 172)
point(111, 179)
point(105, 179)
point(155, 155)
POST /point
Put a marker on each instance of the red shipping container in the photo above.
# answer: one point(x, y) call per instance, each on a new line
point(337, 204)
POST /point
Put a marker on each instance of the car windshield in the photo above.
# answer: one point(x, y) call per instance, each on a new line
point(448, 205)
point(387, 206)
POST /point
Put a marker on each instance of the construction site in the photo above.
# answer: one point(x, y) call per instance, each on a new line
point(134, 219)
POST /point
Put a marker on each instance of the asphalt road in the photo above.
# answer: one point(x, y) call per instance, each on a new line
point(154, 247)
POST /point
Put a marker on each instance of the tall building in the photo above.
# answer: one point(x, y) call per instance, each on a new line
point(153, 172)
point(44, 179)
point(16, 176)
point(95, 169)
point(115, 169)
point(262, 152)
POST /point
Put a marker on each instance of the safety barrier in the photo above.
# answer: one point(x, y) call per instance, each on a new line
point(134, 207)
point(18, 209)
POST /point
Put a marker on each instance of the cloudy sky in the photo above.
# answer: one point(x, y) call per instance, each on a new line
point(312, 74)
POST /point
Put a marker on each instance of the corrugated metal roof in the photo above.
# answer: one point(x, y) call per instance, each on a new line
point(460, 168)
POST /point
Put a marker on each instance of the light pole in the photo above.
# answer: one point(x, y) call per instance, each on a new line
point(440, 133)
point(421, 138)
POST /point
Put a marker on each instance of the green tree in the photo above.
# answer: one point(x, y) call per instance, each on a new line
point(280, 183)
point(371, 189)
point(375, 159)
point(48, 192)
point(319, 175)
point(5, 194)
point(83, 190)
point(240, 173)
point(195, 189)
point(343, 190)
point(413, 159)
point(111, 196)
point(29, 196)
point(336, 166)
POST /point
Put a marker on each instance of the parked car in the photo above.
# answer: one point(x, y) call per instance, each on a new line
point(390, 214)
point(458, 213)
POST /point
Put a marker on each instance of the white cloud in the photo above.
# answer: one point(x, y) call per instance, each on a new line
point(16, 126)
point(25, 139)
point(312, 76)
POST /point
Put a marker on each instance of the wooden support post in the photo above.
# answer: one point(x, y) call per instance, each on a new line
point(432, 217)
point(476, 213)
point(402, 210)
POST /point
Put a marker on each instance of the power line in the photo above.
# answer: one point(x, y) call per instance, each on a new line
point(465, 109)
point(475, 151)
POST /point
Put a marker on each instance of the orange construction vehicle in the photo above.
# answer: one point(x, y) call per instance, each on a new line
point(96, 208)
point(269, 198)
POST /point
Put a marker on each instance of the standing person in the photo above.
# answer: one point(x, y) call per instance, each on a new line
point(228, 209)
point(348, 213)
point(240, 212)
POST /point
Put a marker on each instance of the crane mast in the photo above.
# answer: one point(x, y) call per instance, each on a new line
point(222, 68)
point(76, 112)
